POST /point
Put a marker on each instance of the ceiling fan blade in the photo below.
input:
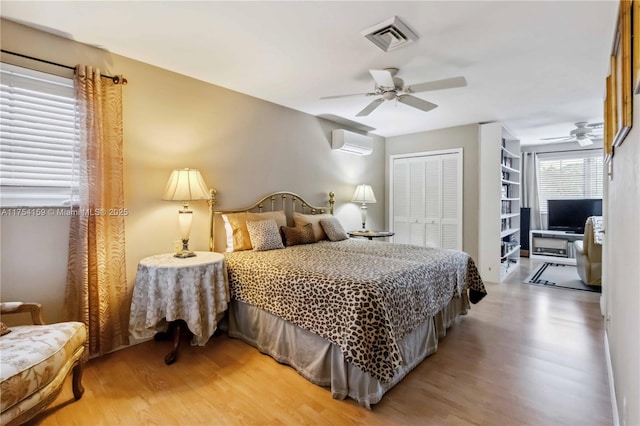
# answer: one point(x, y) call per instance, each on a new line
point(370, 108)
point(595, 125)
point(346, 96)
point(585, 141)
point(447, 83)
point(383, 78)
point(416, 102)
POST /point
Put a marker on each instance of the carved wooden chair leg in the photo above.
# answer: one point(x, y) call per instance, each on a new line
point(78, 389)
point(176, 329)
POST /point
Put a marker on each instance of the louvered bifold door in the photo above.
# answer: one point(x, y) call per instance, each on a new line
point(401, 201)
point(433, 200)
point(417, 230)
point(426, 200)
point(451, 209)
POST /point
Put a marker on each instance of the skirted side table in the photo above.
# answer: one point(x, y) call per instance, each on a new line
point(170, 292)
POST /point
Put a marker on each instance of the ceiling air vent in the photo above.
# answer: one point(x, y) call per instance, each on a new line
point(390, 34)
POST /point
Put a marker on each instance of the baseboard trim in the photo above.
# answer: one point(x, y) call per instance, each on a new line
point(612, 388)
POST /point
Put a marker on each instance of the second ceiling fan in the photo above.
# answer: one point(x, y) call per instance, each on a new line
point(390, 87)
point(584, 133)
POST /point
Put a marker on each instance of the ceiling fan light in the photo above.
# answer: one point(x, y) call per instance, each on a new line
point(389, 95)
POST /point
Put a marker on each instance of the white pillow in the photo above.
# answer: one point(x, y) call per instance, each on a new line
point(265, 235)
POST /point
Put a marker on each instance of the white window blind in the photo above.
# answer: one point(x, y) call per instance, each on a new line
point(569, 175)
point(39, 138)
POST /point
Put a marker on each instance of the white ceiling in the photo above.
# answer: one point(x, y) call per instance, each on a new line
point(537, 66)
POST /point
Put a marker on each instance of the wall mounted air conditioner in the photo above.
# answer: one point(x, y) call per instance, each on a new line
point(353, 143)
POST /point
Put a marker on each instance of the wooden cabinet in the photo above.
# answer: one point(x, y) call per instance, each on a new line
point(499, 212)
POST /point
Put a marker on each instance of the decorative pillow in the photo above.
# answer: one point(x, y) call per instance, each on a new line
point(235, 225)
point(333, 229)
point(278, 215)
point(300, 219)
point(264, 235)
point(294, 235)
point(4, 329)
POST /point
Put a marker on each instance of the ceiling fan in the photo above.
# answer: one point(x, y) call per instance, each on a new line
point(584, 134)
point(390, 87)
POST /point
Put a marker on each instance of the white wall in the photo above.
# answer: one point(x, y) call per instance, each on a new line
point(465, 137)
point(244, 147)
point(622, 272)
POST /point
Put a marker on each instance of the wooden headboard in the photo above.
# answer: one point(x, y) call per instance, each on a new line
point(281, 200)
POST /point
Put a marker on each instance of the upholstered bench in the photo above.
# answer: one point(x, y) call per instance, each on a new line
point(35, 361)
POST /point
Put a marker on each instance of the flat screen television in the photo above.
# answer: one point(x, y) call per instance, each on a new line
point(570, 215)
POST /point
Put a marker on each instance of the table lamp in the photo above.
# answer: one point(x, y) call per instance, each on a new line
point(185, 185)
point(364, 195)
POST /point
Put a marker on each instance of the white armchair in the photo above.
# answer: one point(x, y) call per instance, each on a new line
point(35, 360)
point(589, 255)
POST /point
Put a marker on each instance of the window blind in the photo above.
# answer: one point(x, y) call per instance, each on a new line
point(39, 138)
point(569, 175)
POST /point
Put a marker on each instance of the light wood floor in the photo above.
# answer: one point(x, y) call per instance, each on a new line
point(524, 355)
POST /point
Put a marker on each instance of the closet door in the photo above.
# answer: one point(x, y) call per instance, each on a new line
point(432, 197)
point(417, 228)
point(451, 205)
point(426, 200)
point(400, 188)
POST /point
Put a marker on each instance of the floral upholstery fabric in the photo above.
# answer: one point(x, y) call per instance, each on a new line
point(33, 356)
point(598, 229)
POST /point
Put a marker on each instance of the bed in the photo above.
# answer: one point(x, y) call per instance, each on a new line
point(352, 315)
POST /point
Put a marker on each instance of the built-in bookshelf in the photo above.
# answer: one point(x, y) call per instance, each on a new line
point(499, 224)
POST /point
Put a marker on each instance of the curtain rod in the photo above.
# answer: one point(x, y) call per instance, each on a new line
point(116, 79)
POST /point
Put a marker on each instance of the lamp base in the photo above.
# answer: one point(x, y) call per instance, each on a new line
point(363, 214)
point(185, 252)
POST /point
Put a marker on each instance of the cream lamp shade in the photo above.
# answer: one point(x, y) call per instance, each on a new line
point(185, 185)
point(364, 195)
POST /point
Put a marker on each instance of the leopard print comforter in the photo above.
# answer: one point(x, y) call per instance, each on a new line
point(364, 296)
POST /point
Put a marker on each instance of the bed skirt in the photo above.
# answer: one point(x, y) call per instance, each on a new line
point(322, 363)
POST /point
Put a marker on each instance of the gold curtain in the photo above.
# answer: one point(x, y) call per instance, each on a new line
point(96, 291)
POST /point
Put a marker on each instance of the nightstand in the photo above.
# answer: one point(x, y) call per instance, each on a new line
point(172, 292)
point(371, 234)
